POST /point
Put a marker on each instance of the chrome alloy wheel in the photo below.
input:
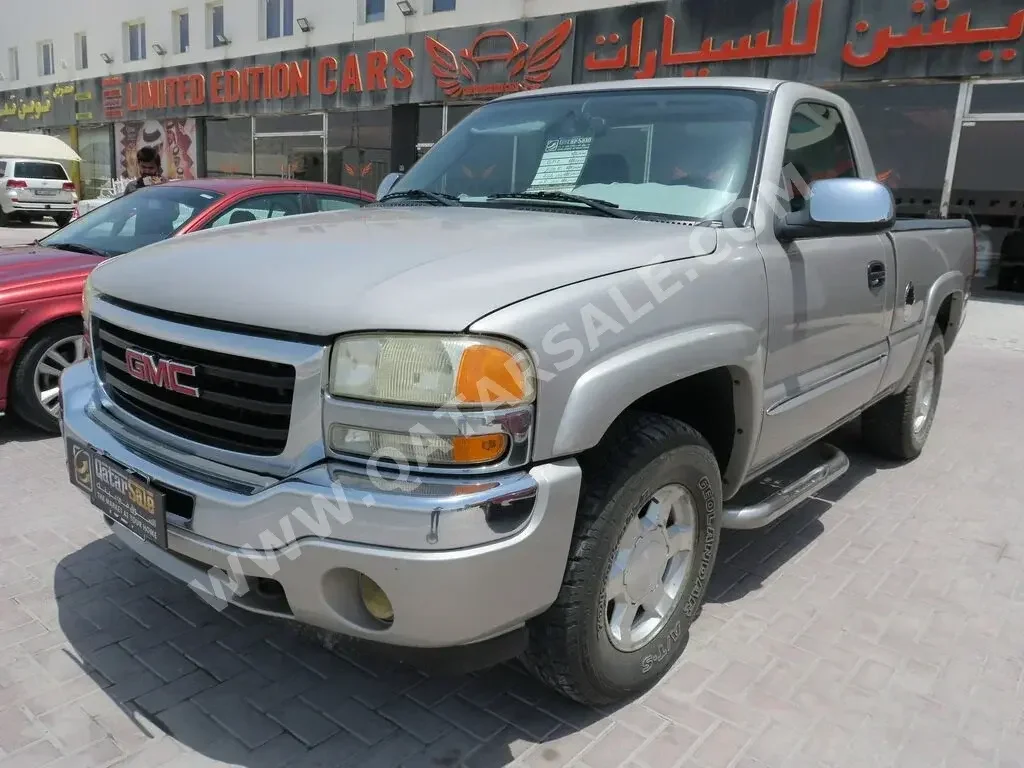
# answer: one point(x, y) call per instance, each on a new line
point(649, 568)
point(46, 378)
point(925, 394)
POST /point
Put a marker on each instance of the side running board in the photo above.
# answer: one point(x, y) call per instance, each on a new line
point(774, 494)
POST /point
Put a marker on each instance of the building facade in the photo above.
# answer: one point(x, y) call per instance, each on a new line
point(346, 94)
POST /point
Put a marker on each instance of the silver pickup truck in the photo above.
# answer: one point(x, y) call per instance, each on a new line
point(507, 410)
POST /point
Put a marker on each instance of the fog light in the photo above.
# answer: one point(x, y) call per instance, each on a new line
point(375, 601)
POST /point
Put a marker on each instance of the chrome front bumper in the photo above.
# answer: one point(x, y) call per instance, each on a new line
point(461, 559)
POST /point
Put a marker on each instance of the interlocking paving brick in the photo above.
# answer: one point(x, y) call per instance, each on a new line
point(878, 625)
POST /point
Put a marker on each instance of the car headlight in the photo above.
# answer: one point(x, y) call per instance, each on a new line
point(464, 373)
point(432, 371)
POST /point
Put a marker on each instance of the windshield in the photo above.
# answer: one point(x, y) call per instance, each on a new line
point(147, 216)
point(684, 153)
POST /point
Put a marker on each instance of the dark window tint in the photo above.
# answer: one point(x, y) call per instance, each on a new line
point(3, 167)
point(817, 147)
point(53, 171)
point(259, 208)
point(336, 203)
point(444, 5)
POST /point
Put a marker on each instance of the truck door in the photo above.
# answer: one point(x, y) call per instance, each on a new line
point(830, 298)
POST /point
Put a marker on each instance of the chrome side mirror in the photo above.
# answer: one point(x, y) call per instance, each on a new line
point(841, 207)
point(388, 183)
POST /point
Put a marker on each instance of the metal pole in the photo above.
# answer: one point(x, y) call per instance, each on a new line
point(962, 100)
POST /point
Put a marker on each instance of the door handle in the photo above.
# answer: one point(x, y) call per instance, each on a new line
point(876, 274)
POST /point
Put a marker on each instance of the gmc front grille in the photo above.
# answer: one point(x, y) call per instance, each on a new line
point(243, 405)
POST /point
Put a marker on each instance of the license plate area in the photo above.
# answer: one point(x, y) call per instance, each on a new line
point(45, 192)
point(119, 493)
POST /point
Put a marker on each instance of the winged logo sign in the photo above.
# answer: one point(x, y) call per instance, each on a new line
point(362, 171)
point(525, 67)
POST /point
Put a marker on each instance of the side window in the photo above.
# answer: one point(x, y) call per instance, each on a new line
point(817, 147)
point(336, 203)
point(3, 167)
point(259, 208)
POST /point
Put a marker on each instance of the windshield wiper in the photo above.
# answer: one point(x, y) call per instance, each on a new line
point(604, 206)
point(76, 248)
point(421, 194)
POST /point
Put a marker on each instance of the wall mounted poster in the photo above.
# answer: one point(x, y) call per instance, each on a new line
point(175, 140)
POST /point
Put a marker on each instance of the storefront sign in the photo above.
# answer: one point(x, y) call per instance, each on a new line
point(942, 32)
point(825, 41)
point(748, 47)
point(518, 65)
point(817, 40)
point(376, 71)
point(26, 110)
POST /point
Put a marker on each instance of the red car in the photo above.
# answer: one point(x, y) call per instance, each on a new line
point(41, 284)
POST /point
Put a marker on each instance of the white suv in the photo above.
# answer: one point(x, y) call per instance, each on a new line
point(33, 189)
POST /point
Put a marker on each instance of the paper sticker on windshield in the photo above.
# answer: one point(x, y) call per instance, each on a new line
point(562, 163)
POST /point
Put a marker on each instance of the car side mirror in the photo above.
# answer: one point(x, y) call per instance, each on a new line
point(840, 207)
point(388, 183)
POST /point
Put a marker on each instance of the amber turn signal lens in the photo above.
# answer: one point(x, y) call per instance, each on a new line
point(491, 376)
point(478, 449)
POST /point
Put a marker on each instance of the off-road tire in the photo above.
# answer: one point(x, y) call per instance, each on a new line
point(888, 426)
point(569, 648)
point(62, 219)
point(22, 394)
point(6, 219)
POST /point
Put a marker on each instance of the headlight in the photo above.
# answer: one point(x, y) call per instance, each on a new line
point(432, 371)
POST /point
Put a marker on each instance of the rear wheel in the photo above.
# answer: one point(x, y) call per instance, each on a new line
point(36, 375)
point(897, 427)
point(645, 541)
point(62, 219)
point(5, 218)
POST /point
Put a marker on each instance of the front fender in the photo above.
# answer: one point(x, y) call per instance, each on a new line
point(604, 391)
point(602, 344)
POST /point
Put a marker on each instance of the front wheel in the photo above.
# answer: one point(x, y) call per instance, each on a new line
point(36, 375)
point(645, 542)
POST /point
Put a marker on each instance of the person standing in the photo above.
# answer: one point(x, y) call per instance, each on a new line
point(150, 170)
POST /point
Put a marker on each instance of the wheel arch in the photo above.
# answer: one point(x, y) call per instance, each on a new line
point(944, 308)
point(710, 378)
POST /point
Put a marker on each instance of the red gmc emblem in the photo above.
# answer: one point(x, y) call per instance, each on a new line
point(160, 373)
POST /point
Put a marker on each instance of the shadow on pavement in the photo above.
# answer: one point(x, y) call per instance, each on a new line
point(747, 558)
point(14, 430)
point(253, 692)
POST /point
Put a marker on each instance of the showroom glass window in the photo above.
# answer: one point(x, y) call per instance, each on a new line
point(908, 128)
point(228, 147)
point(95, 147)
point(988, 183)
point(359, 148)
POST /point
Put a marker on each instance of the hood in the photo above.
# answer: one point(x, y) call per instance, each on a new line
point(31, 264)
point(427, 268)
